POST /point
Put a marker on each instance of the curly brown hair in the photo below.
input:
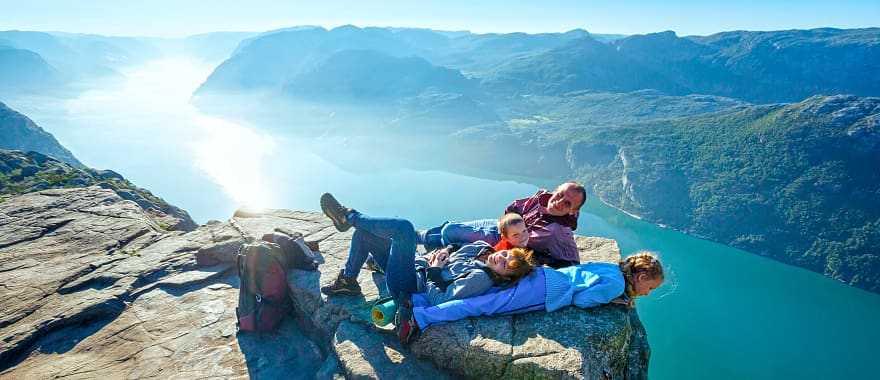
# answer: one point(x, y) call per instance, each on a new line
point(640, 262)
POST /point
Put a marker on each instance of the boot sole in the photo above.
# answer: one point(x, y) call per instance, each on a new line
point(328, 202)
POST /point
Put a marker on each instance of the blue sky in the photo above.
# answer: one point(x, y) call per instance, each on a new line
point(184, 17)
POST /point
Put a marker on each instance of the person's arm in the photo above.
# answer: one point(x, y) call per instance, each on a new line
point(476, 282)
point(557, 240)
point(603, 292)
point(519, 206)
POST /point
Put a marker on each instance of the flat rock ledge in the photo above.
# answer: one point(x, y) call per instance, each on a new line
point(92, 287)
point(607, 342)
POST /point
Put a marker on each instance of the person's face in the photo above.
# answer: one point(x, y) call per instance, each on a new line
point(517, 234)
point(566, 200)
point(498, 263)
point(643, 284)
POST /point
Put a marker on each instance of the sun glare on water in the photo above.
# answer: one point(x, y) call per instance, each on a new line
point(235, 158)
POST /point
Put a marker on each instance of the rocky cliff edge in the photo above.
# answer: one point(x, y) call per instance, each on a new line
point(91, 286)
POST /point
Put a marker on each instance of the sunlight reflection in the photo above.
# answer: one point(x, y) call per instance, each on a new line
point(235, 158)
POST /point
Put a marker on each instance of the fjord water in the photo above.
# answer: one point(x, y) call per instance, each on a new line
point(723, 313)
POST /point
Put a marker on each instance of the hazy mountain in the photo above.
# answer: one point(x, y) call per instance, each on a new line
point(273, 58)
point(19, 132)
point(81, 56)
point(24, 70)
point(215, 46)
point(371, 76)
point(781, 66)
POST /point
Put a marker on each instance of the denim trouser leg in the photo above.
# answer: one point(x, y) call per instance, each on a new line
point(399, 261)
point(461, 233)
point(431, 238)
point(363, 244)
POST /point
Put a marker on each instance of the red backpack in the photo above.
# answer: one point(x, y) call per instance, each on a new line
point(263, 297)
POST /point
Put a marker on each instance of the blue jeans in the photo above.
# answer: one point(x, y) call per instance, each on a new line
point(392, 242)
point(461, 233)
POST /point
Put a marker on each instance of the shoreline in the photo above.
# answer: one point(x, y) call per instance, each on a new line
point(599, 197)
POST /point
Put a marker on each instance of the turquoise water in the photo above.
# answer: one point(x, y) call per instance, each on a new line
point(729, 314)
point(723, 313)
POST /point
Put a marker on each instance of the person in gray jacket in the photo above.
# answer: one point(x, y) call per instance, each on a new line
point(470, 271)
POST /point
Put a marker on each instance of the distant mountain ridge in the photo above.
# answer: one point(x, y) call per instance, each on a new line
point(43, 62)
point(271, 59)
point(762, 67)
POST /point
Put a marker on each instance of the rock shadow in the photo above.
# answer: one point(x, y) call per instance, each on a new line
point(369, 352)
point(64, 338)
point(285, 353)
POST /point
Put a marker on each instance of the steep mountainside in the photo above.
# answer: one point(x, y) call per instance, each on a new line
point(798, 183)
point(19, 132)
point(24, 70)
point(80, 56)
point(22, 173)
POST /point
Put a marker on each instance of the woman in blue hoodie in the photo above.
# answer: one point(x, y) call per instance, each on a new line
point(585, 285)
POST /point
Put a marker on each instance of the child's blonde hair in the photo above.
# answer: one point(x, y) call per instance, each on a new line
point(507, 220)
point(640, 262)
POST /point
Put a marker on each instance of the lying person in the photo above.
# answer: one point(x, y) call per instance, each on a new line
point(585, 285)
point(441, 275)
point(550, 218)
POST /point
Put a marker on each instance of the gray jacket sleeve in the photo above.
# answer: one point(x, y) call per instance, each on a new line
point(476, 282)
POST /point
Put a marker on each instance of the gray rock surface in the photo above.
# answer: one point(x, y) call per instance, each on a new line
point(599, 343)
point(92, 287)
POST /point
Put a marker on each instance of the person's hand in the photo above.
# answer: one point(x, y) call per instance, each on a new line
point(439, 258)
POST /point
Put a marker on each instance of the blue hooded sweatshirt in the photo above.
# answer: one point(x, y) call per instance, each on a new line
point(585, 285)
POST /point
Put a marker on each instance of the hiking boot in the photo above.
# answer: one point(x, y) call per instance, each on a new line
point(342, 286)
point(336, 212)
point(405, 324)
point(373, 266)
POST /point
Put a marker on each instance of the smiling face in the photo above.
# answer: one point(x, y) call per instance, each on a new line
point(566, 200)
point(644, 284)
point(517, 234)
point(497, 261)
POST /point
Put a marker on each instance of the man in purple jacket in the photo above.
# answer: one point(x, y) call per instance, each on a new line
point(550, 217)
